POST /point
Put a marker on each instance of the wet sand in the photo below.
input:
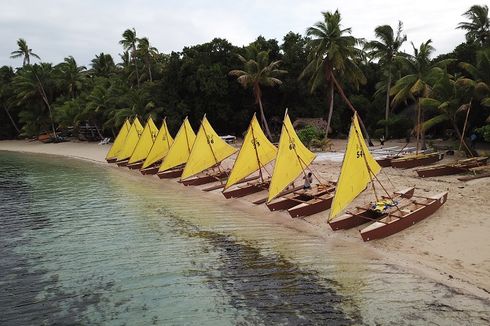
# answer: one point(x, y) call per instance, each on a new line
point(451, 247)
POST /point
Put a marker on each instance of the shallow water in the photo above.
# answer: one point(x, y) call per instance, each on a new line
point(81, 243)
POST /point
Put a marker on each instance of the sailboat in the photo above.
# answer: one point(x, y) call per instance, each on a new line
point(256, 152)
point(178, 154)
point(389, 214)
point(292, 160)
point(158, 151)
point(208, 151)
point(111, 156)
point(130, 143)
point(144, 145)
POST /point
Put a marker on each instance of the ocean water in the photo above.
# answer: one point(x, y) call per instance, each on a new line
point(81, 243)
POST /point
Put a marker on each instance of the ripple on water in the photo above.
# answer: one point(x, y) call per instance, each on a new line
point(84, 244)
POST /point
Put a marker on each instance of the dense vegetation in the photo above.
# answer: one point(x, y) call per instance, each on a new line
point(325, 73)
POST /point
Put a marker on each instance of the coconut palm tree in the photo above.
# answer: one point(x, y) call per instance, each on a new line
point(23, 51)
point(257, 72)
point(147, 52)
point(448, 98)
point(34, 84)
point(129, 44)
point(478, 27)
point(418, 83)
point(387, 50)
point(102, 65)
point(333, 54)
point(70, 76)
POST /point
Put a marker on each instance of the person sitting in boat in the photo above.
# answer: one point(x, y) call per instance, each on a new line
point(382, 206)
point(308, 180)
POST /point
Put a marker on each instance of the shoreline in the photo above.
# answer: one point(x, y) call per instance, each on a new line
point(444, 247)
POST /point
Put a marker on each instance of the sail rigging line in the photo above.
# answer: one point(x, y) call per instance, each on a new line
point(186, 137)
point(367, 166)
point(256, 152)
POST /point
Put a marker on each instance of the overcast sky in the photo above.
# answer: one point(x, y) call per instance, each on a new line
point(55, 29)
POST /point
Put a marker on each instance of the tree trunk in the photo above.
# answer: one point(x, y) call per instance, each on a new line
point(349, 104)
point(149, 70)
point(45, 99)
point(387, 108)
point(264, 121)
point(133, 55)
point(330, 110)
point(470, 152)
point(11, 119)
point(422, 130)
point(417, 126)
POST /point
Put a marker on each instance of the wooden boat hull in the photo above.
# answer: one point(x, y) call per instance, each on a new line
point(386, 161)
point(312, 206)
point(200, 180)
point(422, 210)
point(135, 165)
point(170, 174)
point(122, 163)
point(364, 214)
point(407, 163)
point(246, 190)
point(295, 199)
point(111, 160)
point(150, 170)
point(448, 169)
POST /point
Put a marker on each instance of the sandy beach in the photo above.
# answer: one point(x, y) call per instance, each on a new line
point(451, 247)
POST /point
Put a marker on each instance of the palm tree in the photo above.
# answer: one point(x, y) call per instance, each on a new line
point(23, 51)
point(258, 71)
point(387, 51)
point(333, 53)
point(70, 76)
point(147, 52)
point(129, 44)
point(36, 83)
point(448, 97)
point(417, 84)
point(478, 27)
point(103, 65)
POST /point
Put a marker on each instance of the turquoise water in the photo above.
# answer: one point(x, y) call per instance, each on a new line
point(82, 243)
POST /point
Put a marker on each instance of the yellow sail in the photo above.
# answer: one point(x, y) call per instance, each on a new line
point(160, 147)
point(358, 168)
point(181, 148)
point(208, 150)
point(145, 142)
point(119, 141)
point(256, 152)
point(292, 158)
point(131, 140)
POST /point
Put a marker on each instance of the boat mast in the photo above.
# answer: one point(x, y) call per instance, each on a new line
point(256, 152)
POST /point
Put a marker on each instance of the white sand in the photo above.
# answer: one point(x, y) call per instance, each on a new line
point(452, 246)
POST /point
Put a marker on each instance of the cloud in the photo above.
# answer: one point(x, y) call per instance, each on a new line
point(58, 28)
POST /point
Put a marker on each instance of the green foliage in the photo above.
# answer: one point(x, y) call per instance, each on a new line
point(398, 125)
point(308, 133)
point(484, 132)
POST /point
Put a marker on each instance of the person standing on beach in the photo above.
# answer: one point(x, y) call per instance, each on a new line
point(308, 180)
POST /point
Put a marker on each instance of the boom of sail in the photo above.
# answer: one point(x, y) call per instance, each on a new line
point(208, 150)
point(160, 147)
point(181, 148)
point(292, 159)
point(358, 169)
point(145, 142)
point(256, 152)
point(119, 141)
point(131, 140)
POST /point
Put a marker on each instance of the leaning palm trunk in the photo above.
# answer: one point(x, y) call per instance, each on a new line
point(467, 149)
point(349, 104)
point(330, 110)
point(387, 107)
point(264, 120)
point(11, 119)
point(45, 99)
